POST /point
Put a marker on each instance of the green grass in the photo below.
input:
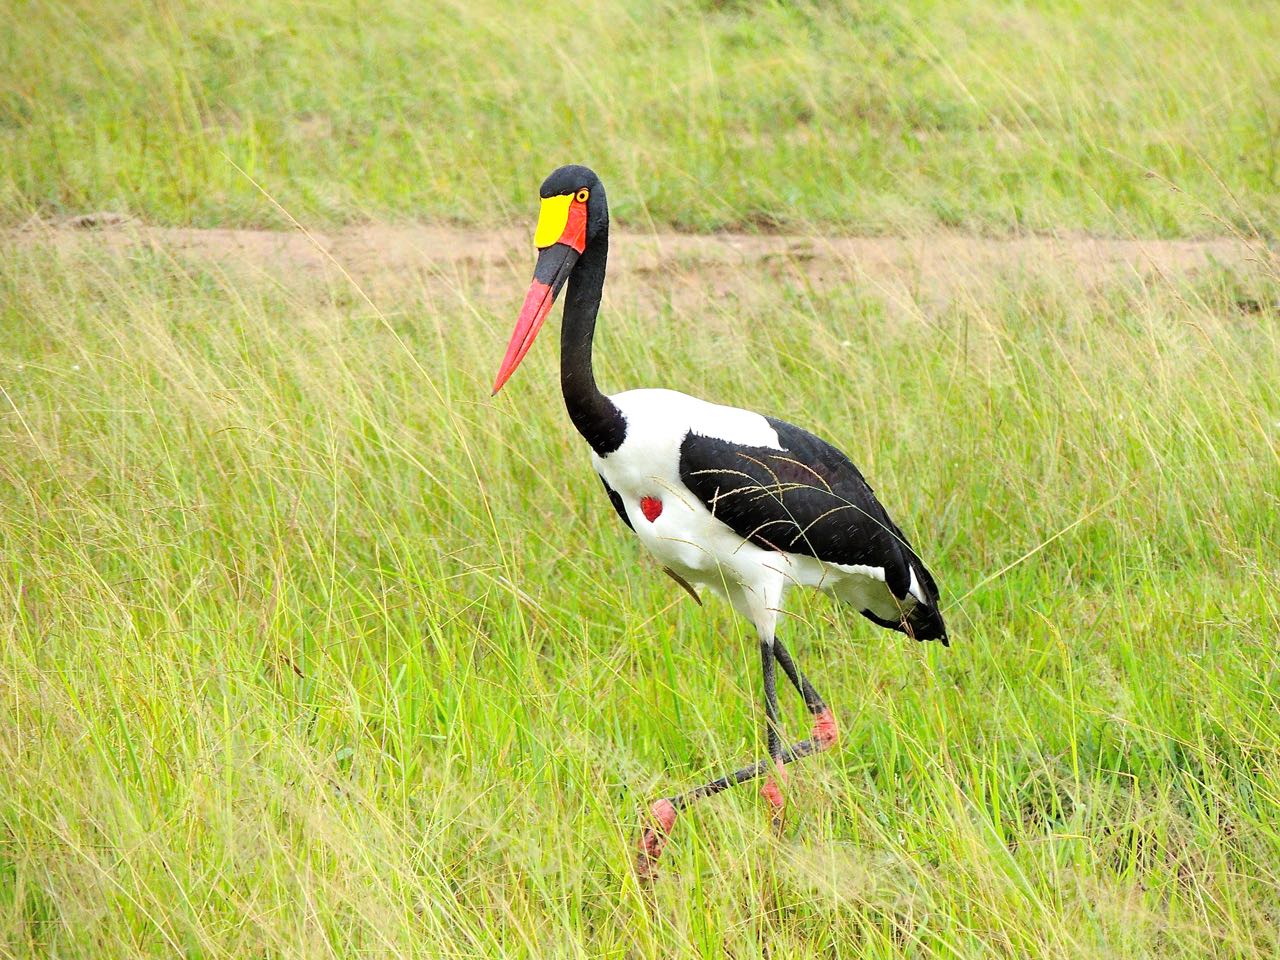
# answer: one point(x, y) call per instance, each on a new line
point(1114, 118)
point(311, 649)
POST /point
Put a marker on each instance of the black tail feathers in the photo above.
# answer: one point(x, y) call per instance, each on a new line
point(924, 620)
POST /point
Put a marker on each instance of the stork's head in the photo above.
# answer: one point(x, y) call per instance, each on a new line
point(573, 214)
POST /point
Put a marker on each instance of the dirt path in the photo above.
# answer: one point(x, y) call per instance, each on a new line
point(487, 261)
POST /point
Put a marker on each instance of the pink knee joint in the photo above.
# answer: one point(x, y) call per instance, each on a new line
point(824, 729)
point(772, 792)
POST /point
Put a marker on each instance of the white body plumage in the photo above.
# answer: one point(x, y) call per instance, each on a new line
point(687, 537)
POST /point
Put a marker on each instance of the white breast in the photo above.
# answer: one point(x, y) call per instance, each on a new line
point(685, 536)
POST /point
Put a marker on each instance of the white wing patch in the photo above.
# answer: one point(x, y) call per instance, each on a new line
point(915, 589)
point(674, 414)
point(859, 570)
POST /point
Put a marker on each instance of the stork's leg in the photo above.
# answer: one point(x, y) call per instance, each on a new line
point(824, 734)
point(824, 721)
point(772, 791)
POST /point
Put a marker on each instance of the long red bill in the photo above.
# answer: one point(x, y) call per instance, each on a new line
point(555, 263)
point(537, 305)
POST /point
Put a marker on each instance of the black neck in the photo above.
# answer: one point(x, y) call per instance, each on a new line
point(592, 413)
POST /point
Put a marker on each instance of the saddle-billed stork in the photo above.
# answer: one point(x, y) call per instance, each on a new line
point(744, 504)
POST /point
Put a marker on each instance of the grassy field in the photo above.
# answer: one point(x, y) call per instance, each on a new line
point(1119, 118)
point(311, 649)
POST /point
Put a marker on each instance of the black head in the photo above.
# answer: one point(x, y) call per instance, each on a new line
point(571, 181)
point(568, 179)
point(574, 214)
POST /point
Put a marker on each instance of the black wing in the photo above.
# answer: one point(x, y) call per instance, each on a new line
point(808, 498)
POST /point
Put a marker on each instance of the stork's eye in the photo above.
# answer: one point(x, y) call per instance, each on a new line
point(583, 194)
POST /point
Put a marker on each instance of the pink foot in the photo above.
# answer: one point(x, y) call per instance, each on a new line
point(654, 839)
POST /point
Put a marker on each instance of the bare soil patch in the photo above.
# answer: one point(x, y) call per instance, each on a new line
point(682, 269)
